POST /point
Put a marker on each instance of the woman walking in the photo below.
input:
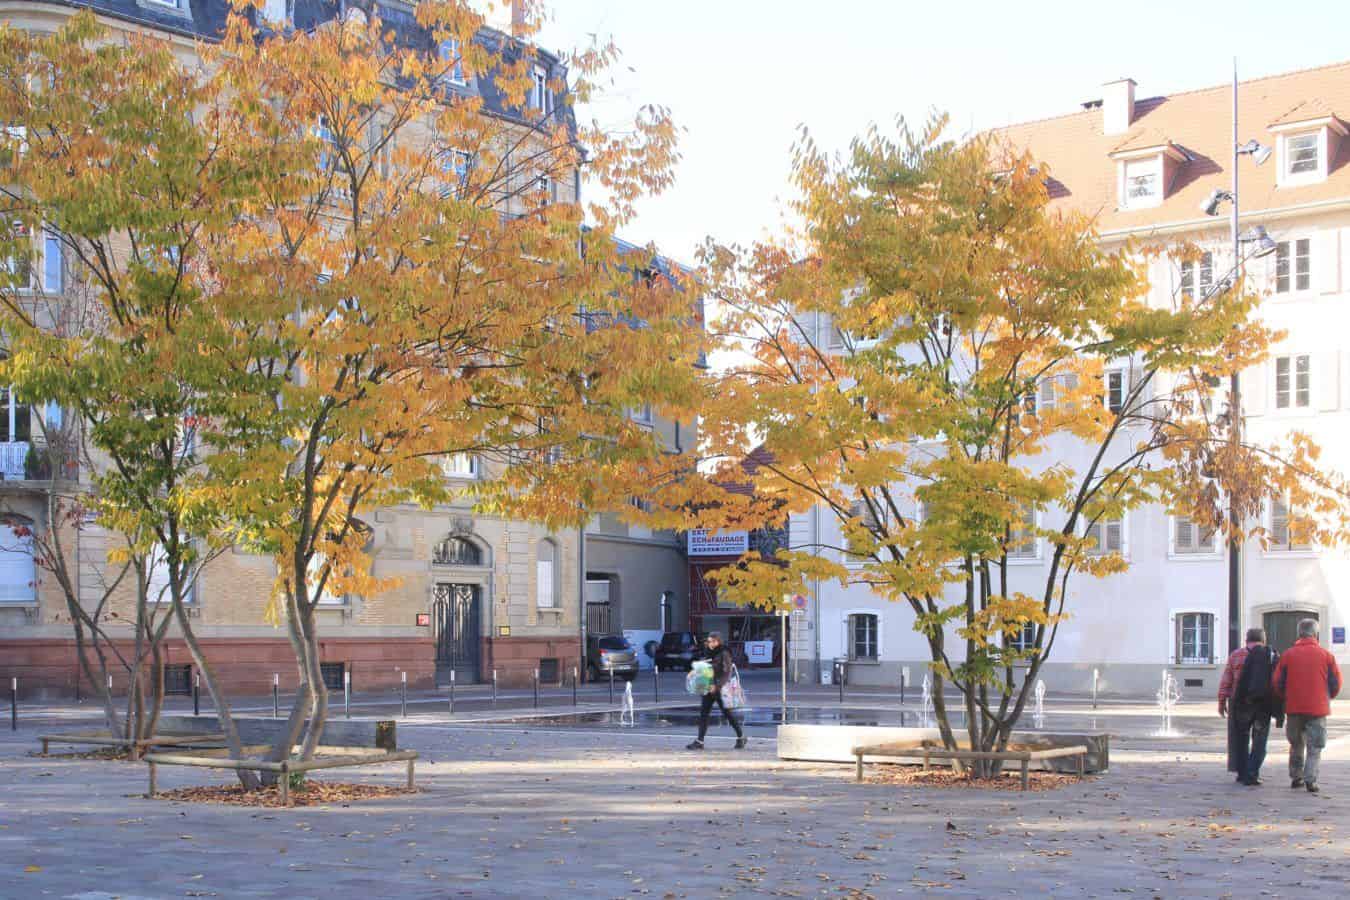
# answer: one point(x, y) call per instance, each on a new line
point(720, 656)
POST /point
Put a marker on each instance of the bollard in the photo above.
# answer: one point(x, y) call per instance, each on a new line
point(1094, 688)
point(656, 683)
point(574, 685)
point(196, 694)
point(404, 692)
point(839, 677)
point(452, 692)
point(14, 704)
point(611, 685)
point(536, 688)
point(109, 685)
point(276, 696)
point(346, 692)
point(494, 688)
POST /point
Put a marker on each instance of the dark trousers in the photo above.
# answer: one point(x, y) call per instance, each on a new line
point(706, 710)
point(1249, 730)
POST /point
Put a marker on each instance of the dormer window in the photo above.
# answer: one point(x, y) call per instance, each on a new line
point(1143, 182)
point(1144, 167)
point(1304, 153)
point(1307, 139)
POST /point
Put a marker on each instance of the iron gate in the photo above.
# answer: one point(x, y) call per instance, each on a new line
point(454, 609)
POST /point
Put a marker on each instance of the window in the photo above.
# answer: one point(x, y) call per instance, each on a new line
point(1192, 539)
point(1195, 638)
point(1142, 183)
point(874, 517)
point(544, 186)
point(546, 576)
point(1293, 381)
point(19, 267)
point(158, 588)
point(1293, 266)
point(1049, 390)
point(457, 551)
point(1023, 639)
point(862, 633)
point(317, 565)
point(15, 424)
point(1114, 390)
point(1279, 536)
point(1022, 543)
point(641, 504)
point(18, 572)
point(459, 465)
point(641, 414)
point(541, 98)
point(51, 263)
point(455, 169)
point(324, 132)
point(450, 52)
point(1301, 151)
point(1107, 536)
point(1198, 273)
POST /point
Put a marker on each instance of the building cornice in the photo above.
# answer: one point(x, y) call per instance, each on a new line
point(1277, 213)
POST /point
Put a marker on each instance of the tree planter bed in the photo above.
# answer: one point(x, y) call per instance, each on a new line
point(333, 758)
point(136, 747)
point(1025, 757)
point(836, 743)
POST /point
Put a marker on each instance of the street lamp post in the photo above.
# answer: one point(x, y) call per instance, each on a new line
point(1263, 246)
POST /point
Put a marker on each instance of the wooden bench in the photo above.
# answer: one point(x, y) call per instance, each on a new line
point(928, 753)
point(137, 746)
point(332, 758)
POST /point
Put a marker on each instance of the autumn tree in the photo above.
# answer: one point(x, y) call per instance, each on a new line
point(326, 270)
point(924, 364)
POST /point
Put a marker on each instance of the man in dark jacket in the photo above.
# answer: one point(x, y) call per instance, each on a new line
point(1307, 677)
point(719, 655)
point(1246, 696)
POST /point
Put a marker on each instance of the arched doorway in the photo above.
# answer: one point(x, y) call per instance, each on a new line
point(1282, 627)
point(456, 607)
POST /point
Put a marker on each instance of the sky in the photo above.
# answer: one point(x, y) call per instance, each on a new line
point(742, 76)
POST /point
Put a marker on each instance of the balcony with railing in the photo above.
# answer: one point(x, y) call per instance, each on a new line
point(14, 459)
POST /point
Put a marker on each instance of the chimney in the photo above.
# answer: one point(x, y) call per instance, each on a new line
point(1117, 106)
point(518, 18)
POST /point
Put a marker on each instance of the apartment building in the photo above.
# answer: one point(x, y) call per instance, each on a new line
point(478, 596)
point(1145, 168)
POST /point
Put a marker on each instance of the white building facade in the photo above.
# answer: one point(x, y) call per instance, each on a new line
point(1144, 171)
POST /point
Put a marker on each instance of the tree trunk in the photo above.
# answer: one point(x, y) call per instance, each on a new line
point(301, 706)
point(318, 717)
point(249, 780)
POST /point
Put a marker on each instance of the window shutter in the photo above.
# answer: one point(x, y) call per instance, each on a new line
point(1115, 532)
point(1253, 386)
point(17, 571)
point(1045, 394)
point(544, 584)
point(1279, 522)
point(1176, 637)
point(1326, 380)
point(1326, 261)
point(1184, 541)
point(1094, 535)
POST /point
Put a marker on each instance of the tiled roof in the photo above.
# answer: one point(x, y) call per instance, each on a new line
point(206, 19)
point(1077, 154)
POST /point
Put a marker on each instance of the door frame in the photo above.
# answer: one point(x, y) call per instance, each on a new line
point(1257, 616)
point(478, 576)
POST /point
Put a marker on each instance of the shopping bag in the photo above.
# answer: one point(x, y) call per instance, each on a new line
point(699, 679)
point(733, 695)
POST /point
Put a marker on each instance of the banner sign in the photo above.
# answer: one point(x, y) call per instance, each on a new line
point(723, 543)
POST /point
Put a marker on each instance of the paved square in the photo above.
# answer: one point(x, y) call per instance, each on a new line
point(519, 809)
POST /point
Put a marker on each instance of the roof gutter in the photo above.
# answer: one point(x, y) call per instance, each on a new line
point(1274, 213)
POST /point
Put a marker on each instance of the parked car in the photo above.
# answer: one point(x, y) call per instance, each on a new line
point(606, 653)
point(677, 650)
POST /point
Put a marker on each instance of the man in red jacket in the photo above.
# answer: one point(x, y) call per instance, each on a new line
point(1307, 677)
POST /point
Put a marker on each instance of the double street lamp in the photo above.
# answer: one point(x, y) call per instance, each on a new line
point(1261, 245)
